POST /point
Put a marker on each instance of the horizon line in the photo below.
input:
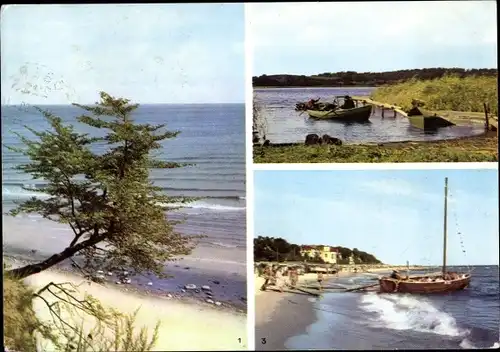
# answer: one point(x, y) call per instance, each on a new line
point(394, 70)
point(66, 104)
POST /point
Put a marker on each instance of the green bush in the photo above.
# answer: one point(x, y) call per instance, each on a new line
point(449, 92)
point(24, 331)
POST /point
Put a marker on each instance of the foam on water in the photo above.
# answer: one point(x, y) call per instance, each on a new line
point(20, 193)
point(405, 312)
point(467, 345)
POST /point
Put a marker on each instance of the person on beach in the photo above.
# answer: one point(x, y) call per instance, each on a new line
point(293, 277)
point(320, 280)
point(267, 277)
point(280, 280)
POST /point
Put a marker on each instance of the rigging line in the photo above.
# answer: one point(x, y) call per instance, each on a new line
point(462, 246)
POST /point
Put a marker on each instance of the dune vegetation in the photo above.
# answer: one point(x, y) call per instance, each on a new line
point(450, 92)
point(108, 330)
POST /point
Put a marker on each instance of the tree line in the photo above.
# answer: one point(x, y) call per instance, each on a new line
point(280, 250)
point(373, 79)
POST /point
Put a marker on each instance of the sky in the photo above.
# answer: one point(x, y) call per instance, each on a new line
point(149, 53)
point(312, 38)
point(395, 215)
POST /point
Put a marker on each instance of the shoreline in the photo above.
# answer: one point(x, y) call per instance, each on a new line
point(280, 316)
point(478, 148)
point(191, 297)
point(183, 326)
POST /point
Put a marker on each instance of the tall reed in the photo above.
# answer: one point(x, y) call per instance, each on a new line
point(449, 92)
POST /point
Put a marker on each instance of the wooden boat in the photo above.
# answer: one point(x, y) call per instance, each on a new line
point(426, 120)
point(437, 283)
point(360, 114)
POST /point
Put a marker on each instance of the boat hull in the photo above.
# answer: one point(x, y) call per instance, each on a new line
point(389, 285)
point(425, 120)
point(361, 114)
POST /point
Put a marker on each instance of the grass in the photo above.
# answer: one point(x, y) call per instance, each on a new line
point(24, 331)
point(471, 149)
point(447, 93)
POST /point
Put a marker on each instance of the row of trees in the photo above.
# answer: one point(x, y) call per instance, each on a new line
point(278, 249)
point(353, 78)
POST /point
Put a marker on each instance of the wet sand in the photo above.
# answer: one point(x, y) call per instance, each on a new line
point(223, 269)
point(279, 316)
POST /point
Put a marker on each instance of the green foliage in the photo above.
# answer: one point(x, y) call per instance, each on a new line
point(266, 249)
point(20, 323)
point(117, 215)
point(475, 149)
point(121, 335)
point(364, 79)
point(111, 331)
point(450, 92)
point(275, 249)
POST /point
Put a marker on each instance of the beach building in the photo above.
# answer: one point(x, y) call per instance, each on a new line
point(329, 254)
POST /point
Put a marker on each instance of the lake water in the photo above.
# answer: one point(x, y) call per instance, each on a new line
point(212, 137)
point(465, 319)
point(285, 125)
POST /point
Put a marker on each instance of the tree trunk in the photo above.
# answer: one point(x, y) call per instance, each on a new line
point(30, 269)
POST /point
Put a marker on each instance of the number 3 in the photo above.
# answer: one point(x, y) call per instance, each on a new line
point(263, 340)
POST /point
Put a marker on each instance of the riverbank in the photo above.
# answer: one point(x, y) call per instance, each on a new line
point(480, 148)
point(184, 326)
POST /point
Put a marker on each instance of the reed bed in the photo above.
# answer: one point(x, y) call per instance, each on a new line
point(449, 92)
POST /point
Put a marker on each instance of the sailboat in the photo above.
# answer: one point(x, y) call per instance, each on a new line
point(438, 283)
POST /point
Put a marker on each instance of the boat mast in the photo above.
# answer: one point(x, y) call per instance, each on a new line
point(445, 228)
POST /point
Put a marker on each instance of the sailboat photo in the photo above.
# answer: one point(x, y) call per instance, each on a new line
point(443, 282)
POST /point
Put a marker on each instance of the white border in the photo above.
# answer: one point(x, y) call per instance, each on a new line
point(249, 180)
point(372, 166)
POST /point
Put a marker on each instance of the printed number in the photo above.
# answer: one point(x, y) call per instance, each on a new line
point(239, 339)
point(263, 340)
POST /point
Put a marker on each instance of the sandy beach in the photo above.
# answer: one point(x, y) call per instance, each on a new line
point(281, 315)
point(195, 326)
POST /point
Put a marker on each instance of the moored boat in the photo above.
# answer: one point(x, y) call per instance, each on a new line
point(438, 283)
point(426, 120)
point(359, 114)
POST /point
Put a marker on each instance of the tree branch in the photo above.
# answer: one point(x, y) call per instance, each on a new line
point(27, 270)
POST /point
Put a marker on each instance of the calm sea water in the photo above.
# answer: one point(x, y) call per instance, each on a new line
point(285, 125)
point(465, 319)
point(212, 137)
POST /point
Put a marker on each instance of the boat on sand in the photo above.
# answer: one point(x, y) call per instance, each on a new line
point(443, 282)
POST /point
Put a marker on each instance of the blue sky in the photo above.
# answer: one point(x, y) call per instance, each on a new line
point(396, 215)
point(150, 53)
point(311, 38)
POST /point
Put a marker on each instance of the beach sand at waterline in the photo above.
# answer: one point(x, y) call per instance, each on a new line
point(279, 316)
point(184, 326)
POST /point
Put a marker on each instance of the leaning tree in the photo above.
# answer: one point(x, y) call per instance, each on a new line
point(117, 215)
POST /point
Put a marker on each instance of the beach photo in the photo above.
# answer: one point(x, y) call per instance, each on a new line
point(123, 177)
point(376, 259)
point(391, 81)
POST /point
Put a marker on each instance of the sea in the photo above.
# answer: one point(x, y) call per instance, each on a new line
point(212, 138)
point(465, 319)
point(285, 125)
